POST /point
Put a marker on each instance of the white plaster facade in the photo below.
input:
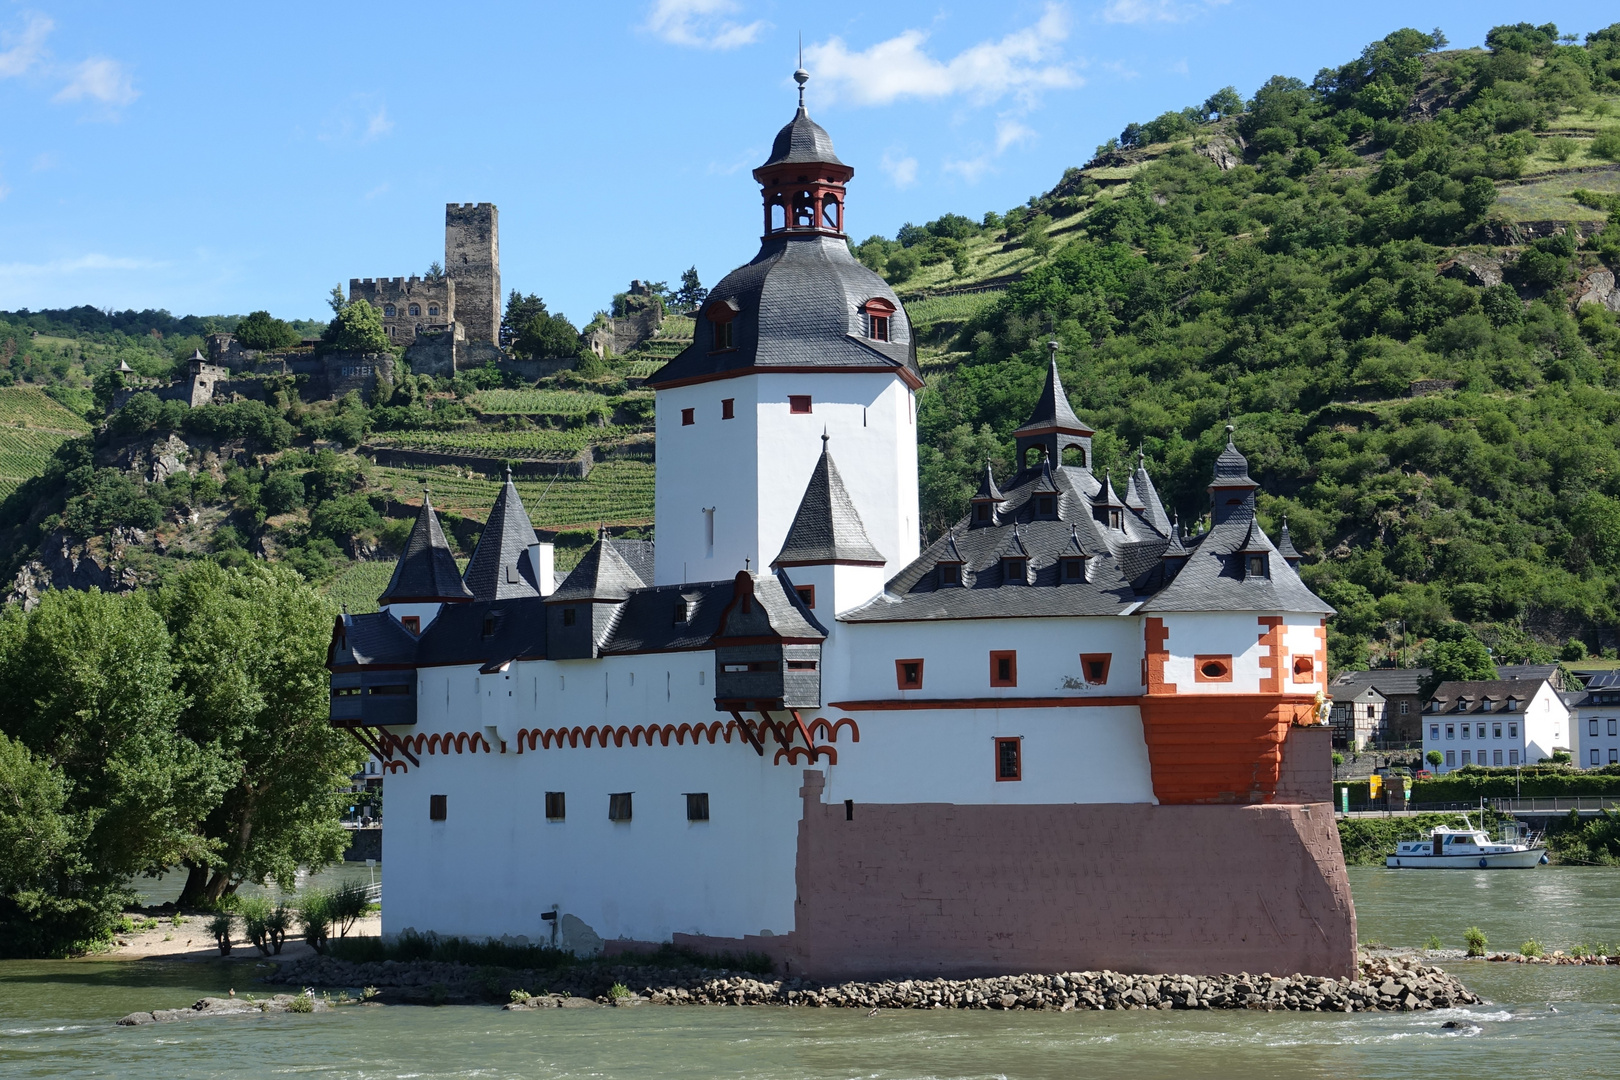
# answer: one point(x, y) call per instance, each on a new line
point(1501, 737)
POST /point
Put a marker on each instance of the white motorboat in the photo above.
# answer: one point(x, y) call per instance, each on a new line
point(1465, 849)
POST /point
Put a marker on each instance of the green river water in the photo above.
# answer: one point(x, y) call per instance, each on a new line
point(56, 1018)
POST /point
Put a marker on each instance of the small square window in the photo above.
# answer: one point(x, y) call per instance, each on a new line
point(908, 674)
point(1466, 729)
point(798, 403)
point(682, 613)
point(1257, 566)
point(556, 805)
point(1212, 669)
point(950, 573)
point(1095, 667)
point(688, 417)
point(1513, 731)
point(437, 810)
point(1496, 731)
point(1074, 569)
point(1009, 759)
point(1304, 669)
point(1451, 731)
point(1046, 504)
point(880, 328)
point(807, 594)
point(1405, 707)
point(619, 806)
point(981, 512)
point(569, 615)
point(412, 623)
point(1481, 731)
point(728, 408)
point(1004, 668)
point(697, 806)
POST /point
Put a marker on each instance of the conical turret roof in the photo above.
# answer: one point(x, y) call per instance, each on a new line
point(1285, 546)
point(1052, 411)
point(1231, 467)
point(499, 569)
point(426, 572)
point(827, 528)
point(603, 574)
point(988, 491)
point(802, 141)
point(1141, 495)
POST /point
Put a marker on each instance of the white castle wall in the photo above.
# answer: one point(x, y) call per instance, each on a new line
point(753, 469)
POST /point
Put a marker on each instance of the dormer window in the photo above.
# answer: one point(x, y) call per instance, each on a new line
point(1073, 571)
point(950, 574)
point(1487, 705)
point(720, 315)
point(1015, 571)
point(981, 513)
point(569, 615)
point(1256, 566)
point(880, 328)
point(1046, 506)
point(878, 312)
point(680, 612)
point(1116, 519)
point(1513, 706)
point(412, 623)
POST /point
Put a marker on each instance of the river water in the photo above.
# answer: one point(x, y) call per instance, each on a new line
point(56, 1019)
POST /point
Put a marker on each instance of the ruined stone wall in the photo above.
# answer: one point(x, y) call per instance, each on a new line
point(472, 257)
point(409, 306)
point(954, 890)
point(357, 371)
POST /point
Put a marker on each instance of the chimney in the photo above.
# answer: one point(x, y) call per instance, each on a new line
point(543, 561)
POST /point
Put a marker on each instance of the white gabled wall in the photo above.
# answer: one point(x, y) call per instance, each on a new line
point(753, 469)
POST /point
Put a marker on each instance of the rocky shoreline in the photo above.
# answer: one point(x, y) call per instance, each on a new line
point(1384, 984)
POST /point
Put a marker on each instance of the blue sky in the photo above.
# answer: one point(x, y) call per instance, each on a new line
point(222, 157)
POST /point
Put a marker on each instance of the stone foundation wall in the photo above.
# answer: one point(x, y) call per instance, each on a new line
point(949, 890)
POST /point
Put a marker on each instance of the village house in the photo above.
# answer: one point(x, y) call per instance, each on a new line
point(1495, 722)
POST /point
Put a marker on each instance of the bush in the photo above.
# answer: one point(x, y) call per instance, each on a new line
point(1532, 948)
point(345, 904)
point(276, 926)
point(282, 493)
point(1338, 759)
point(1476, 941)
point(303, 1002)
point(1606, 145)
point(314, 911)
point(1435, 758)
point(255, 914)
point(220, 927)
point(1433, 942)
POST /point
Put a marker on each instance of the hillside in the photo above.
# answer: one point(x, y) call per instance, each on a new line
point(1396, 280)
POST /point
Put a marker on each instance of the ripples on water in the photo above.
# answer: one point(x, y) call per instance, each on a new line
point(1544, 1022)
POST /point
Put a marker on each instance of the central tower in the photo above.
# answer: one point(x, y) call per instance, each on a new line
point(801, 342)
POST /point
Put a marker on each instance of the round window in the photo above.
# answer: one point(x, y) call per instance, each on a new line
point(1213, 669)
point(1303, 665)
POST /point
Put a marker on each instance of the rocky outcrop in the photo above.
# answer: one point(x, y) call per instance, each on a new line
point(156, 459)
point(1385, 984)
point(210, 1007)
point(1597, 287)
point(63, 562)
point(1222, 152)
point(1478, 270)
point(1522, 232)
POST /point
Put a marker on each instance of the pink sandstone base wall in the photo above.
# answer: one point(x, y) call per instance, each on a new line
point(1306, 775)
point(922, 890)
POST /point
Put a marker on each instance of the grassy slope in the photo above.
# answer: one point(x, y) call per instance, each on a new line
point(31, 427)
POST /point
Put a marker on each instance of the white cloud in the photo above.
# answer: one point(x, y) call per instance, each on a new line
point(902, 170)
point(100, 79)
point(379, 124)
point(1024, 62)
point(1155, 11)
point(969, 169)
point(27, 48)
point(1012, 133)
point(701, 23)
point(93, 262)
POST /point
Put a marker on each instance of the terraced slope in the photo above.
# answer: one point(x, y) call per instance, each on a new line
point(32, 426)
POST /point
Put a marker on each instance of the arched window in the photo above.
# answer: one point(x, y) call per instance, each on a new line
point(804, 210)
point(778, 217)
point(878, 312)
point(1075, 456)
point(433, 309)
point(720, 314)
point(388, 311)
point(830, 212)
point(416, 309)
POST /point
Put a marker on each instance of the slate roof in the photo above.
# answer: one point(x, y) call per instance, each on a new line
point(827, 528)
point(517, 631)
point(1285, 544)
point(1052, 409)
point(1387, 681)
point(1141, 495)
point(426, 571)
point(798, 305)
point(611, 570)
point(1231, 467)
point(500, 569)
point(1469, 697)
point(802, 141)
point(1214, 577)
point(374, 639)
point(787, 614)
point(647, 622)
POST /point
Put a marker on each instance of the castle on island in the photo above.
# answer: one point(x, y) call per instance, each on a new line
point(1065, 735)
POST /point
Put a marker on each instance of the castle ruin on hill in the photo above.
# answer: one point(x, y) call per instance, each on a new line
point(452, 320)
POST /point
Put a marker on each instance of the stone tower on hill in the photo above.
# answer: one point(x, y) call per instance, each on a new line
point(465, 300)
point(472, 259)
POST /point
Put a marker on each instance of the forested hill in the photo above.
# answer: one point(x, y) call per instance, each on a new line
point(1374, 276)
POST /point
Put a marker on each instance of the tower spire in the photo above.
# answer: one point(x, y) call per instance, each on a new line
point(801, 76)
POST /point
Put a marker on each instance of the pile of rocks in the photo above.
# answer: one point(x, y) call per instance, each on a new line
point(227, 1006)
point(1385, 983)
point(1554, 958)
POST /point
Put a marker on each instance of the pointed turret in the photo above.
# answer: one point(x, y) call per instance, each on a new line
point(827, 528)
point(1141, 496)
point(1015, 560)
point(986, 501)
point(604, 574)
point(1285, 546)
point(1231, 487)
point(1073, 560)
point(426, 572)
point(1108, 508)
point(1052, 425)
point(500, 568)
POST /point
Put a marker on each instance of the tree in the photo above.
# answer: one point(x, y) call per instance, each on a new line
point(282, 492)
point(249, 648)
point(1435, 758)
point(336, 301)
point(435, 272)
point(343, 518)
point(1223, 103)
point(520, 312)
point(691, 294)
point(548, 337)
point(1465, 659)
point(87, 688)
point(260, 330)
point(105, 386)
point(356, 328)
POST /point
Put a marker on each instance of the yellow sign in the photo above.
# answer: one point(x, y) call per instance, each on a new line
point(1375, 784)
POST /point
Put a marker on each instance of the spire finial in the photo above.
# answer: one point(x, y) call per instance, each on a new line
point(508, 472)
point(801, 76)
point(1229, 430)
point(824, 440)
point(1051, 350)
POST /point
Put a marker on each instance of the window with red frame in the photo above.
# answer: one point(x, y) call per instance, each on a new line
point(1009, 759)
point(1094, 666)
point(727, 408)
point(688, 417)
point(1004, 668)
point(908, 674)
point(798, 403)
point(807, 593)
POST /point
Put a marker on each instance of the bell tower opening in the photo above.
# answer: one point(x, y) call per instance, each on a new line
point(803, 181)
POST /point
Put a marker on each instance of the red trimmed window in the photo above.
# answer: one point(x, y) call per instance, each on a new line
point(798, 403)
point(437, 810)
point(727, 410)
point(1009, 759)
point(688, 417)
point(1304, 669)
point(1004, 668)
point(1094, 666)
point(1212, 669)
point(807, 593)
point(413, 623)
point(908, 674)
point(880, 328)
